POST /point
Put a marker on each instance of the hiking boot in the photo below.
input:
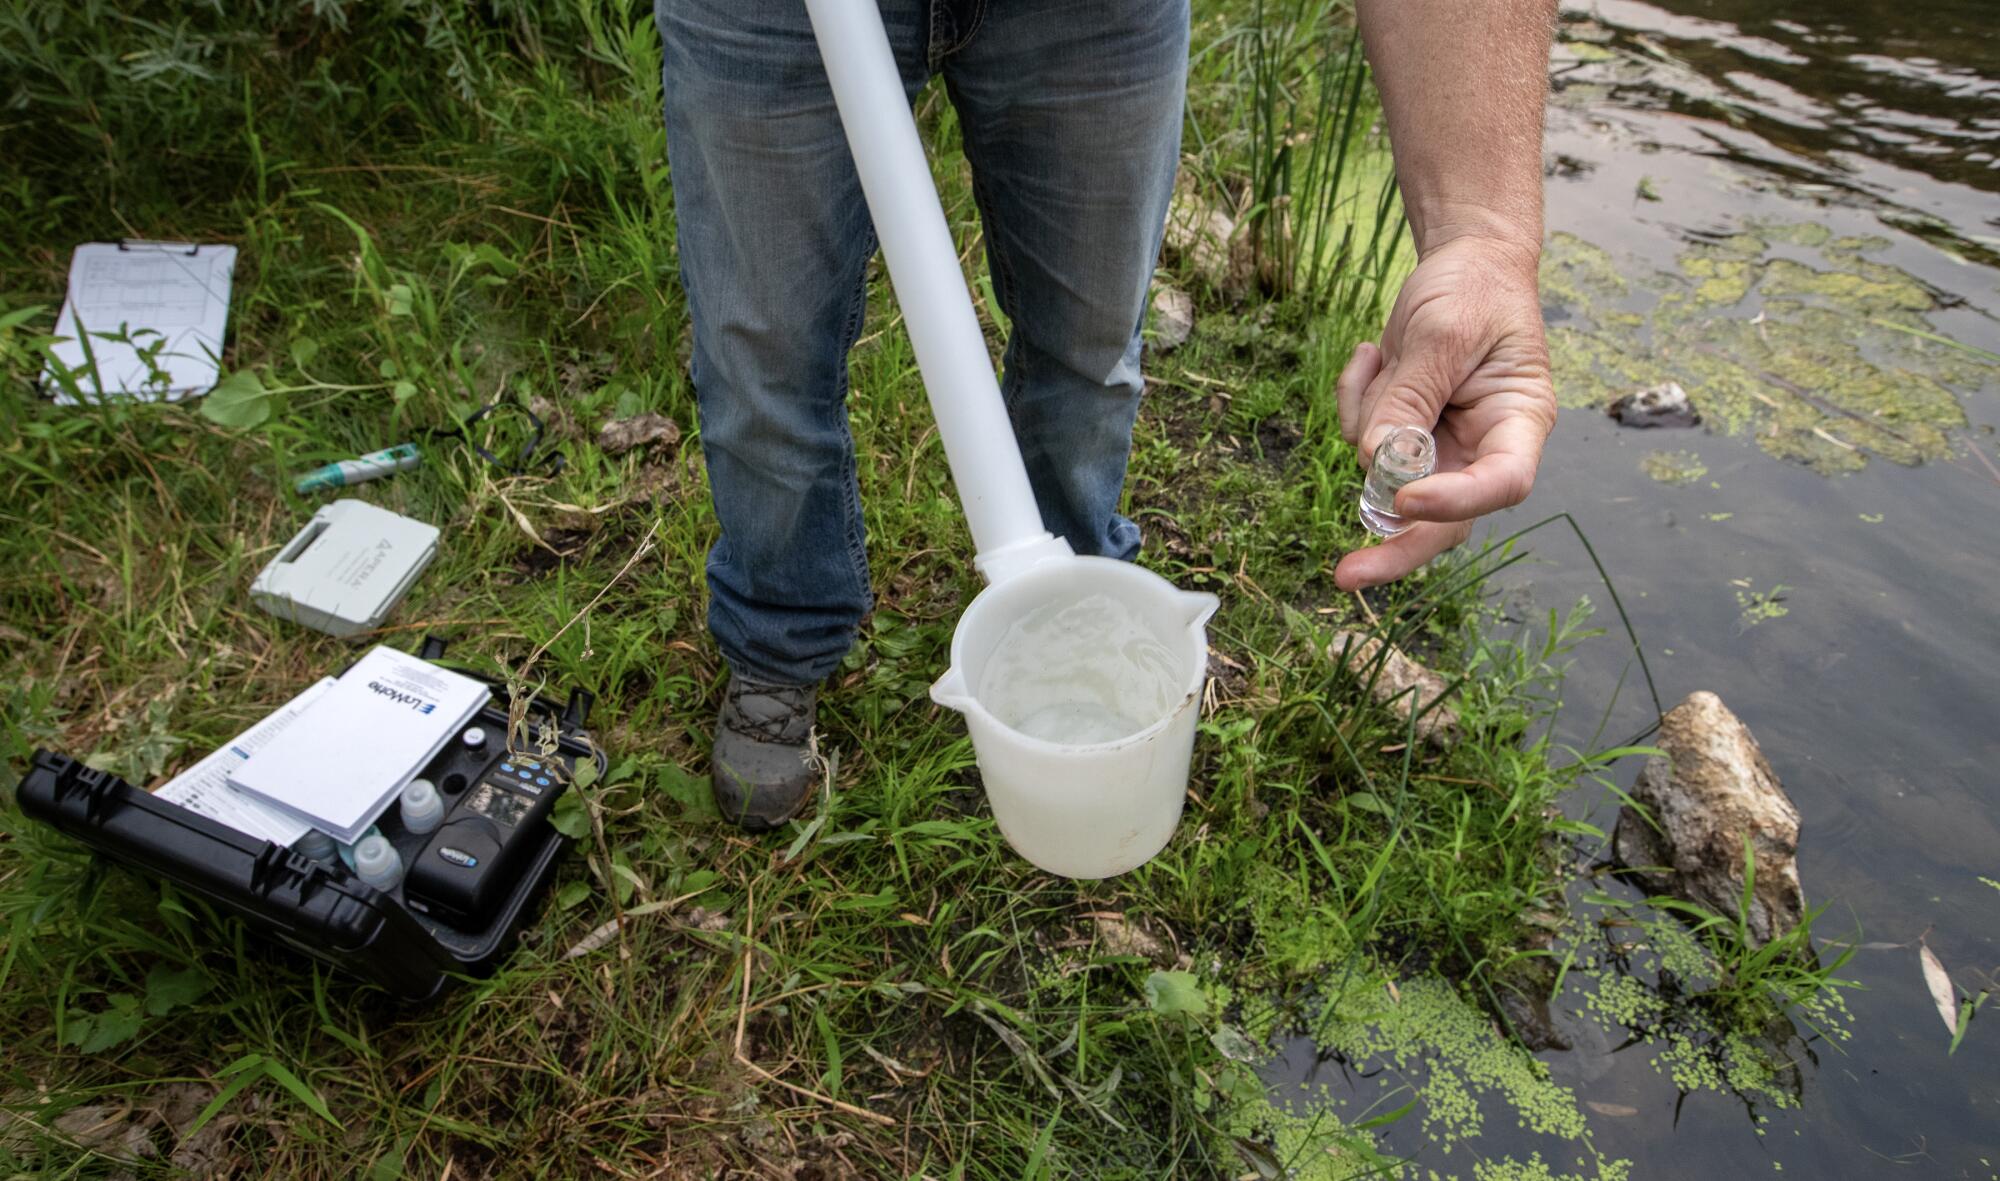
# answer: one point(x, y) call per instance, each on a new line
point(759, 765)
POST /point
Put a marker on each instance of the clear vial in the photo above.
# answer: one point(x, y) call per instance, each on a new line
point(1404, 456)
point(377, 862)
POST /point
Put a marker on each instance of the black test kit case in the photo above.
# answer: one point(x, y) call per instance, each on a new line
point(321, 909)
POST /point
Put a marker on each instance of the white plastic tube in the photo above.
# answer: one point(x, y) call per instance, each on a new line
point(972, 419)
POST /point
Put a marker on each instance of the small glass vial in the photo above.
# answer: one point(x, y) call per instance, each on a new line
point(1404, 456)
point(377, 862)
point(423, 810)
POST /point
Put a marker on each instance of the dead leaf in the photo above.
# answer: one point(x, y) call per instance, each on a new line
point(640, 430)
point(1618, 1109)
point(1942, 992)
point(1118, 936)
point(605, 933)
point(703, 919)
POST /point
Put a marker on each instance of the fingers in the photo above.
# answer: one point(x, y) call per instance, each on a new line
point(1499, 477)
point(1399, 555)
point(1361, 369)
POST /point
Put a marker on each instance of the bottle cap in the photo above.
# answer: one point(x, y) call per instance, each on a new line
point(474, 737)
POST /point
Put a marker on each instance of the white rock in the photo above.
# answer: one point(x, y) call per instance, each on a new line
point(1173, 320)
point(1713, 790)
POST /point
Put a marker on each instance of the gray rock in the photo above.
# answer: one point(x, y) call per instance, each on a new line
point(1409, 685)
point(1666, 404)
point(1712, 791)
point(1173, 320)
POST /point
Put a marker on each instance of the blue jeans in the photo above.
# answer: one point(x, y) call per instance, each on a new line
point(1071, 116)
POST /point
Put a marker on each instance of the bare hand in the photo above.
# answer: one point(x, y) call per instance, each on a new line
point(1463, 355)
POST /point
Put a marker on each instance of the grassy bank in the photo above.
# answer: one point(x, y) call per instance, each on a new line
point(446, 205)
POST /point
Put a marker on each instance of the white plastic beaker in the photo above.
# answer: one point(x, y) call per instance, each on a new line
point(1096, 809)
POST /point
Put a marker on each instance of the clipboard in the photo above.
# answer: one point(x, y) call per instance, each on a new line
point(142, 320)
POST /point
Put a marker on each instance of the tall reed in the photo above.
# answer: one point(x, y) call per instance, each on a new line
point(1324, 217)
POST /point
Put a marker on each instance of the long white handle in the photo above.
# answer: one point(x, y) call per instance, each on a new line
point(972, 420)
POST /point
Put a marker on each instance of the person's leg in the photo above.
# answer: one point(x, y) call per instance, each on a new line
point(774, 242)
point(1072, 121)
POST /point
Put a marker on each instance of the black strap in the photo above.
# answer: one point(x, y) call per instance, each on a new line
point(533, 458)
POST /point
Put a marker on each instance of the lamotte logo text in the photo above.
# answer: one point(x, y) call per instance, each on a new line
point(401, 698)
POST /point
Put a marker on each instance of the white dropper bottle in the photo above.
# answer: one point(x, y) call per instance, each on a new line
point(377, 863)
point(423, 810)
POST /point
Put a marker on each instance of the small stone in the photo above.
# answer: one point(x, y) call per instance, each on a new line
point(1712, 791)
point(1409, 685)
point(1173, 320)
point(1663, 405)
point(640, 430)
point(1207, 239)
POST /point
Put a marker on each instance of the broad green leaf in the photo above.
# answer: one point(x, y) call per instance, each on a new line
point(1172, 994)
point(167, 990)
point(571, 816)
point(98, 1032)
point(239, 400)
point(572, 894)
point(1231, 1044)
point(1366, 801)
point(689, 790)
point(304, 349)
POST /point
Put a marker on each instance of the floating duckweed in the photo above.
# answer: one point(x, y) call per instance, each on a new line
point(1576, 272)
point(1678, 952)
point(1433, 1026)
point(1627, 1002)
point(1673, 467)
point(1827, 361)
point(1535, 1169)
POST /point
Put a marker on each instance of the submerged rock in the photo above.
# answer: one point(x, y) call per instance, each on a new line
point(1173, 320)
point(1662, 405)
point(1713, 791)
point(1410, 685)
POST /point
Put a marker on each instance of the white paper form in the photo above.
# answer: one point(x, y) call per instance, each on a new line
point(169, 299)
point(204, 787)
point(362, 743)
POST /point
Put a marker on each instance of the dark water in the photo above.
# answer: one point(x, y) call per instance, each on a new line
point(1877, 697)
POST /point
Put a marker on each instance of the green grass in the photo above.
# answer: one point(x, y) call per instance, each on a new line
point(444, 205)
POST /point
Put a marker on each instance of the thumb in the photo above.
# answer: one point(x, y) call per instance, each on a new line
point(1401, 395)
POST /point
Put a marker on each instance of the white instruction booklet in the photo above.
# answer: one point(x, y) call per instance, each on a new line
point(142, 320)
point(352, 751)
point(204, 787)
